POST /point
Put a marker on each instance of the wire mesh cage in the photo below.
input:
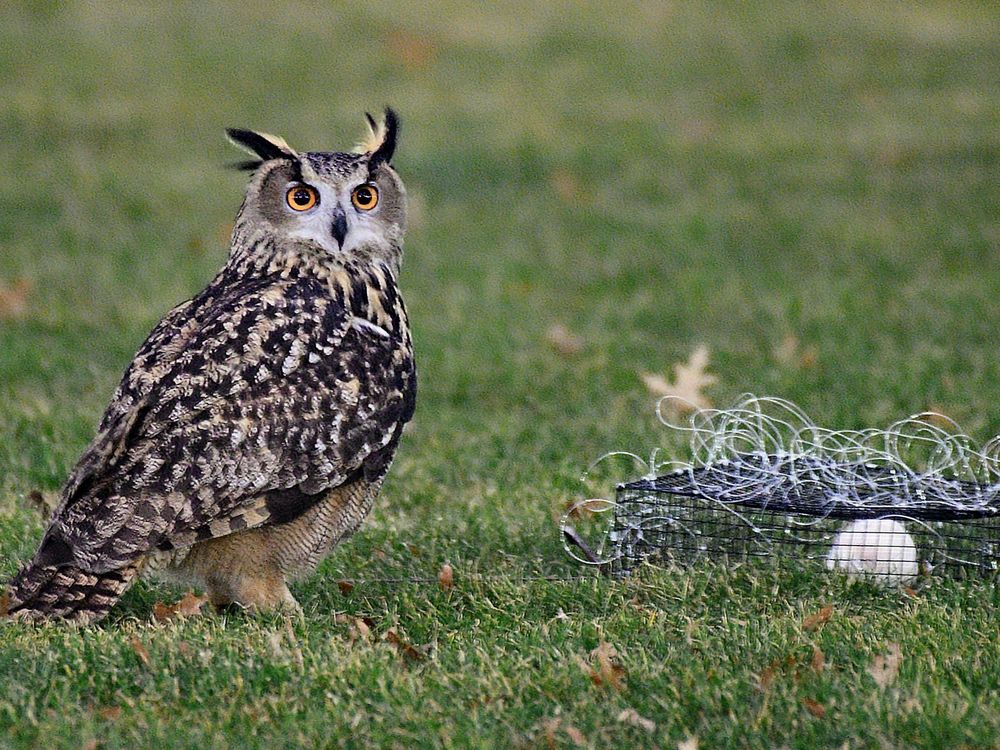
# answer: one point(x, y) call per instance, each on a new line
point(673, 518)
point(889, 505)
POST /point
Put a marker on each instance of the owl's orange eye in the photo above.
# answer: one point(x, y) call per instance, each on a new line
point(365, 197)
point(301, 197)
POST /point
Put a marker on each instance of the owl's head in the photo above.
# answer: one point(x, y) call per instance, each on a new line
point(350, 205)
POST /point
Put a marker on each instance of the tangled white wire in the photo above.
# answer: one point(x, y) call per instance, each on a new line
point(765, 456)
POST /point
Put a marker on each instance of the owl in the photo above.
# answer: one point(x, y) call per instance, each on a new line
point(252, 430)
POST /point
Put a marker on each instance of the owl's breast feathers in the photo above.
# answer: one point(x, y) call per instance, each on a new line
point(263, 392)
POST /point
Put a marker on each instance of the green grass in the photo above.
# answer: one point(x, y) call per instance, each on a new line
point(651, 177)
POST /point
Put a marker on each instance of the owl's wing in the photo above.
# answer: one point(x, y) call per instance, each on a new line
point(276, 395)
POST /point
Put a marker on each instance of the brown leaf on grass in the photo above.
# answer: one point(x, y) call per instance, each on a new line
point(110, 713)
point(411, 51)
point(818, 660)
point(787, 351)
point(767, 675)
point(771, 671)
point(346, 587)
point(818, 618)
point(608, 671)
point(690, 379)
point(563, 340)
point(446, 577)
point(90, 744)
point(404, 647)
point(361, 629)
point(809, 358)
point(140, 651)
point(14, 299)
point(814, 707)
point(691, 743)
point(884, 668)
point(791, 353)
point(586, 508)
point(188, 605)
point(549, 729)
point(631, 716)
point(575, 735)
point(4, 603)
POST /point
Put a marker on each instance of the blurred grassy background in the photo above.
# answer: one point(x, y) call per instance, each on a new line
point(813, 178)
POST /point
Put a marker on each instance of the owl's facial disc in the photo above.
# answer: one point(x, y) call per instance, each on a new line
point(336, 218)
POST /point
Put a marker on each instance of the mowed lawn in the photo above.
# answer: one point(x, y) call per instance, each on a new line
point(812, 191)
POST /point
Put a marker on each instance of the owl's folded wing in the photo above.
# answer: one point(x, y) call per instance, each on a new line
point(276, 395)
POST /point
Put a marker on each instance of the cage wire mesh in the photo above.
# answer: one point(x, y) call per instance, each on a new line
point(764, 481)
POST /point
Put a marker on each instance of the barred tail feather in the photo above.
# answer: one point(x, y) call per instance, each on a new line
point(45, 592)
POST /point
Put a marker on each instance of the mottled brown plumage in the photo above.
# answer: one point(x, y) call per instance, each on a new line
point(253, 428)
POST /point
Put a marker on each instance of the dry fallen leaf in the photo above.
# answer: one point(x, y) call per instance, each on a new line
point(631, 716)
point(575, 735)
point(446, 577)
point(187, 606)
point(608, 671)
point(346, 587)
point(818, 660)
point(413, 52)
point(690, 379)
point(110, 713)
point(405, 648)
point(787, 351)
point(564, 340)
point(691, 743)
point(771, 671)
point(766, 677)
point(816, 619)
point(360, 630)
point(790, 353)
point(814, 707)
point(586, 508)
point(549, 729)
point(14, 298)
point(90, 744)
point(140, 650)
point(4, 603)
point(884, 668)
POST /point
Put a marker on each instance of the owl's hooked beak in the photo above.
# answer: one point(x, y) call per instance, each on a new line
point(339, 226)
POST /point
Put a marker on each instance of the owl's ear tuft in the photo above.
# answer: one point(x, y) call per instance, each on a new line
point(263, 145)
point(381, 143)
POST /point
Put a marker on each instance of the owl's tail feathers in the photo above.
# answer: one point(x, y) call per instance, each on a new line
point(46, 592)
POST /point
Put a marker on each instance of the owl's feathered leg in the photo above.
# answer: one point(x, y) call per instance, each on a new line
point(46, 592)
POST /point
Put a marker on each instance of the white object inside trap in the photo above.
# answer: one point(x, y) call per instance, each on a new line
point(876, 549)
